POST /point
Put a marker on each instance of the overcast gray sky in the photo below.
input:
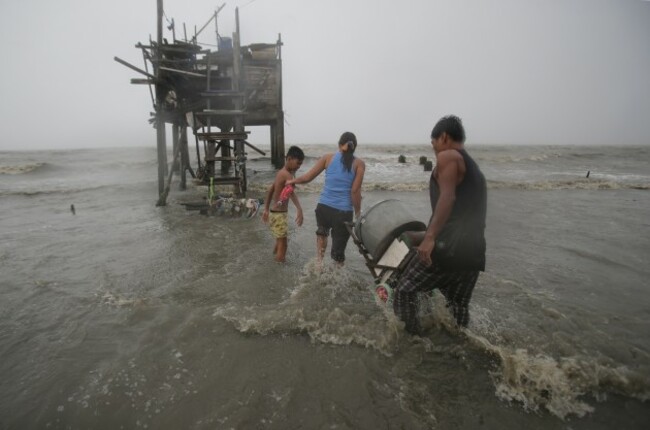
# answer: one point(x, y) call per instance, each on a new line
point(516, 71)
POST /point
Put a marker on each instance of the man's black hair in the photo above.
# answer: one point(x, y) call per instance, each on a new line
point(295, 152)
point(452, 125)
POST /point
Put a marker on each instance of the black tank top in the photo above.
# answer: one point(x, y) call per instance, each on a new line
point(468, 214)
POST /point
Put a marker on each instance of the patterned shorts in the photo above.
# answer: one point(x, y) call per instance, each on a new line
point(457, 288)
point(279, 224)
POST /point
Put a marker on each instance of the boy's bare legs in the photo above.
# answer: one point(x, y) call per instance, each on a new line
point(281, 249)
point(321, 246)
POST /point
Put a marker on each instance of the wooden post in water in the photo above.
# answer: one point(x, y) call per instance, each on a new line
point(162, 199)
point(185, 157)
point(278, 129)
point(175, 136)
point(160, 120)
point(238, 121)
point(274, 145)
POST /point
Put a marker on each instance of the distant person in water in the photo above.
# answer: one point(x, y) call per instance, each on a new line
point(276, 204)
point(458, 197)
point(340, 198)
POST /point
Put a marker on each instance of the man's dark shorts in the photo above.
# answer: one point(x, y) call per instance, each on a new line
point(328, 218)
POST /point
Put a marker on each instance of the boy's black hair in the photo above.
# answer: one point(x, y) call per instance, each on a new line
point(452, 125)
point(295, 152)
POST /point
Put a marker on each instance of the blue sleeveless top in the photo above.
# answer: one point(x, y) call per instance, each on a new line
point(338, 185)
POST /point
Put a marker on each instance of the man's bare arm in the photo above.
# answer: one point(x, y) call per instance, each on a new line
point(448, 174)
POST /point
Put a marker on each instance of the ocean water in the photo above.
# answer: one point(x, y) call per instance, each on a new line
point(128, 315)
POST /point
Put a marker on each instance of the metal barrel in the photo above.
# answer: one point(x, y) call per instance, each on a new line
point(382, 223)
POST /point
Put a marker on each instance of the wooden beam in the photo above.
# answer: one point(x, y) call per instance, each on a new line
point(137, 81)
point(221, 135)
point(173, 48)
point(224, 93)
point(208, 112)
point(182, 72)
point(131, 66)
point(255, 148)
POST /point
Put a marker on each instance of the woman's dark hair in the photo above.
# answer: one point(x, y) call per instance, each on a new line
point(452, 125)
point(348, 154)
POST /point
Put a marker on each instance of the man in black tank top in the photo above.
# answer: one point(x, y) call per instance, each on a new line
point(453, 250)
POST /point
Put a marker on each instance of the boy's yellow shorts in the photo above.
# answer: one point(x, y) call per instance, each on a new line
point(279, 223)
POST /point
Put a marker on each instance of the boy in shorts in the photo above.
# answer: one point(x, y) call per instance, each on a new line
point(276, 204)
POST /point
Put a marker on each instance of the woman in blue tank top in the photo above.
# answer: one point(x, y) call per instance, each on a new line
point(340, 198)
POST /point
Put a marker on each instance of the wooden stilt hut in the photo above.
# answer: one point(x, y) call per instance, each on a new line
point(216, 94)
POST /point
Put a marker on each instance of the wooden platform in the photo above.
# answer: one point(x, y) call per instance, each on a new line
point(221, 135)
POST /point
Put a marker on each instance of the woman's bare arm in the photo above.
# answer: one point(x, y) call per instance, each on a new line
point(360, 169)
point(316, 170)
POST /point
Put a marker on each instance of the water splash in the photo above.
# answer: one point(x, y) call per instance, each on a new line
point(330, 305)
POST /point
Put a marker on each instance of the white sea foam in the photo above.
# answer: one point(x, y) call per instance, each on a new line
point(330, 306)
point(580, 184)
point(558, 385)
point(20, 169)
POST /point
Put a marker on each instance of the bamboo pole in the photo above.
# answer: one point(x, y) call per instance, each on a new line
point(205, 25)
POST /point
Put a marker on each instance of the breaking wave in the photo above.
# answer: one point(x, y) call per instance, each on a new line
point(330, 306)
point(21, 169)
point(581, 184)
point(563, 386)
point(333, 307)
point(507, 159)
point(560, 386)
point(53, 191)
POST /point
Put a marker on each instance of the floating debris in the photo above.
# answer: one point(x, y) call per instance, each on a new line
point(228, 206)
